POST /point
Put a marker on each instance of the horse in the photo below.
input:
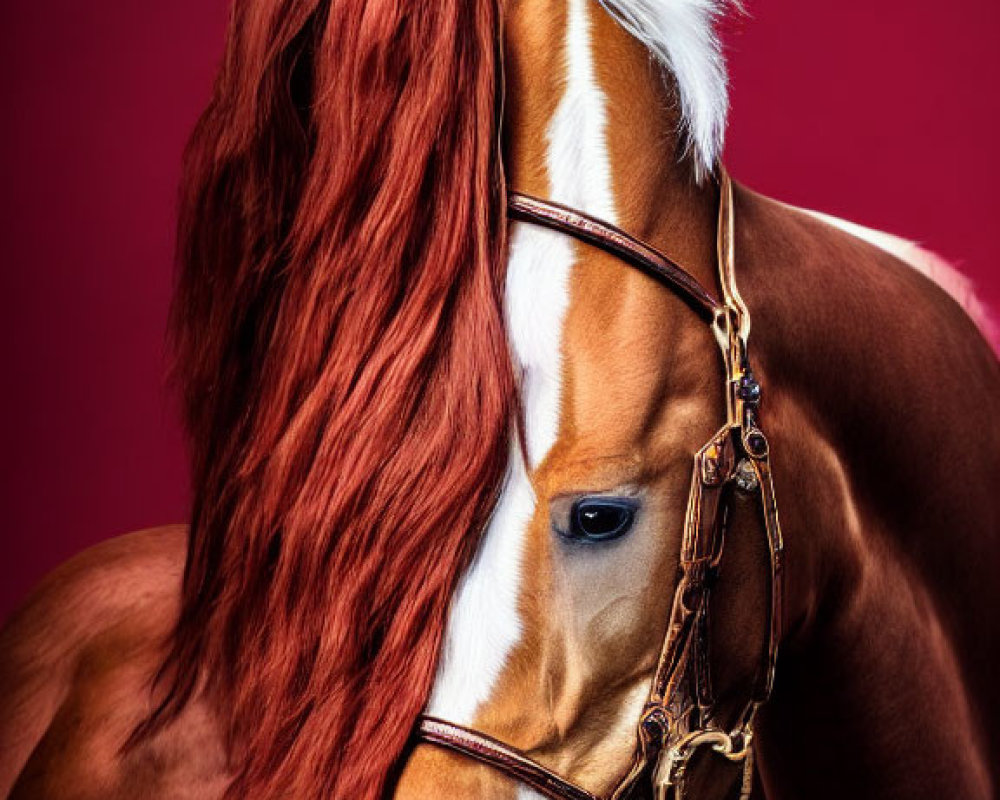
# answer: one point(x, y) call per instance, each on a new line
point(450, 460)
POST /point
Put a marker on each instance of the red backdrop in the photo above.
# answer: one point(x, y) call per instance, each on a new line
point(885, 113)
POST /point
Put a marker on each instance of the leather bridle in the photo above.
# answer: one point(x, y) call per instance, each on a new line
point(680, 715)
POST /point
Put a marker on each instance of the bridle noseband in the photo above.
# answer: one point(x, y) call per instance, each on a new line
point(680, 713)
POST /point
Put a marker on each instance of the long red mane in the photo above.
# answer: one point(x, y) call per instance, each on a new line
point(347, 384)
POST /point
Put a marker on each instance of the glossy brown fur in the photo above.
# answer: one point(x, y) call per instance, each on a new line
point(884, 414)
point(74, 678)
point(882, 406)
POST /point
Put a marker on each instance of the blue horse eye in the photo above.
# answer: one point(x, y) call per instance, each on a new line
point(601, 519)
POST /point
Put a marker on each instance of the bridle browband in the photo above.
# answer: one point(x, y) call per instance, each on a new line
point(615, 241)
point(680, 714)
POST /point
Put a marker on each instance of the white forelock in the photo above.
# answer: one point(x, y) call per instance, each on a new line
point(681, 35)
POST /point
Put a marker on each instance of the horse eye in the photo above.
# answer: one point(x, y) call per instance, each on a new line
point(601, 519)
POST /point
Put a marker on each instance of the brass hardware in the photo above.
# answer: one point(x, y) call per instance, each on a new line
point(745, 476)
point(711, 467)
point(755, 442)
point(671, 766)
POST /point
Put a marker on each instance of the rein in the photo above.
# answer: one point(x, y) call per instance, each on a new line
point(680, 714)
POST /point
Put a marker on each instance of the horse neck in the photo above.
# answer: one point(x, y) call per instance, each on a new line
point(594, 123)
point(887, 555)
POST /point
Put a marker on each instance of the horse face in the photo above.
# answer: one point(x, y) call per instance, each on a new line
point(556, 628)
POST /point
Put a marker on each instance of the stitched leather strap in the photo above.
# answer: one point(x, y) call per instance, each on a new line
point(508, 760)
point(618, 243)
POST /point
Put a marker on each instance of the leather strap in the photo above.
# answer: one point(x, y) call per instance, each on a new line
point(618, 243)
point(488, 750)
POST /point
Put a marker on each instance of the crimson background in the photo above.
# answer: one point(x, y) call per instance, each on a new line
point(884, 112)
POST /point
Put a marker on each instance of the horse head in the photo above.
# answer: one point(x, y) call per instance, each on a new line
point(557, 629)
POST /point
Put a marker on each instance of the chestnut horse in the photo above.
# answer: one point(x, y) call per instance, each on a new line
point(399, 406)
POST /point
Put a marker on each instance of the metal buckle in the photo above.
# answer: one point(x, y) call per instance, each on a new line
point(672, 762)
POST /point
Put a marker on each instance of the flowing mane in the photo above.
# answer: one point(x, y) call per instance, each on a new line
point(347, 385)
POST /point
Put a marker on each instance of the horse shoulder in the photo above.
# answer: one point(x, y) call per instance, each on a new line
point(885, 348)
point(100, 615)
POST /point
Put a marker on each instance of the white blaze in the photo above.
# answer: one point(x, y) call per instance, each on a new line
point(485, 624)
